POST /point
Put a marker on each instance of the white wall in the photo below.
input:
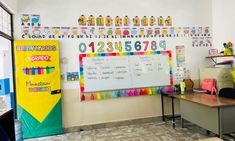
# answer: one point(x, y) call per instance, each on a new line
point(223, 20)
point(10, 4)
point(65, 13)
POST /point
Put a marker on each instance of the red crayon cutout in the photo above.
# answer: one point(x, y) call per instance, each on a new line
point(82, 88)
point(171, 81)
point(145, 92)
point(113, 54)
point(92, 97)
point(83, 97)
point(141, 92)
point(80, 60)
point(39, 71)
point(170, 55)
point(82, 55)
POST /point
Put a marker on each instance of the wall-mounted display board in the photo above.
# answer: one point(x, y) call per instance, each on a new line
point(115, 71)
point(38, 87)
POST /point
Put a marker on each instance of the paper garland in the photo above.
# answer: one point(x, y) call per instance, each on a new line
point(123, 93)
point(117, 27)
point(125, 21)
point(114, 32)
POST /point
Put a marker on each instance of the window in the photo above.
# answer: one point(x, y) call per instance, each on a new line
point(5, 21)
point(6, 49)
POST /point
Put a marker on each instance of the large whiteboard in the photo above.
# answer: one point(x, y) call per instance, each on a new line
point(105, 72)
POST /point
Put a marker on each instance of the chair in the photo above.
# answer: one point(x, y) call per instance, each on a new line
point(227, 92)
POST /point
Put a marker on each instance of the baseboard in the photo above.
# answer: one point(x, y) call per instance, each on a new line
point(113, 124)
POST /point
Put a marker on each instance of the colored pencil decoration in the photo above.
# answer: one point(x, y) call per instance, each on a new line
point(145, 92)
point(141, 92)
point(98, 96)
point(38, 70)
point(154, 91)
point(114, 94)
point(119, 93)
point(104, 95)
point(83, 97)
point(47, 70)
point(33, 71)
point(125, 93)
point(135, 92)
point(149, 91)
point(159, 90)
point(130, 93)
point(30, 71)
point(170, 90)
point(92, 97)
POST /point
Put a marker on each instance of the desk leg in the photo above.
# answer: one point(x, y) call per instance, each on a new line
point(163, 115)
point(220, 123)
point(173, 111)
point(182, 122)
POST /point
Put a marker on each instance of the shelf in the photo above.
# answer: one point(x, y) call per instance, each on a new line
point(229, 62)
point(220, 56)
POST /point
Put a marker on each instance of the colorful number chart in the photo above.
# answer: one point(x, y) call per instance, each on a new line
point(121, 46)
point(124, 74)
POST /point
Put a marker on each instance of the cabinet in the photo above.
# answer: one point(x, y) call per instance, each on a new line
point(222, 75)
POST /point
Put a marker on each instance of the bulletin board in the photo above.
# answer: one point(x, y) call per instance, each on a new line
point(125, 70)
point(38, 87)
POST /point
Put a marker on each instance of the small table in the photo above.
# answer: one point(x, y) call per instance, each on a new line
point(7, 123)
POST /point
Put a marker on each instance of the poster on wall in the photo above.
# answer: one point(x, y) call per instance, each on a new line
point(180, 56)
point(38, 87)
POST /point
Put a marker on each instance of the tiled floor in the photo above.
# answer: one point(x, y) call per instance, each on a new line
point(154, 131)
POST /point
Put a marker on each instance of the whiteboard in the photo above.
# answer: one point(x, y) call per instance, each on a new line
point(124, 72)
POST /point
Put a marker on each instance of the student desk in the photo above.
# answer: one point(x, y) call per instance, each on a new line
point(7, 123)
point(216, 114)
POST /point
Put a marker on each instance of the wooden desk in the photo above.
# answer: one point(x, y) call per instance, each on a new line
point(216, 114)
point(7, 123)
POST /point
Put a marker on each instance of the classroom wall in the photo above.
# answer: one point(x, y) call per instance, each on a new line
point(10, 4)
point(65, 13)
point(223, 22)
